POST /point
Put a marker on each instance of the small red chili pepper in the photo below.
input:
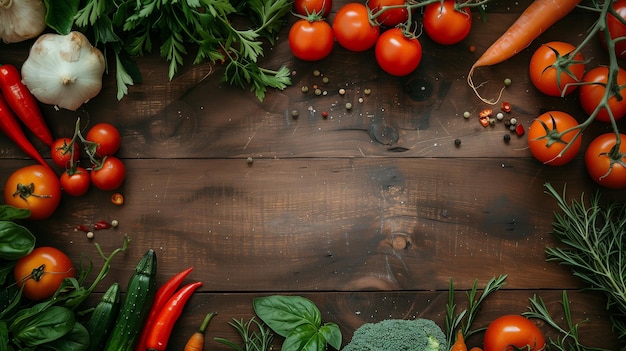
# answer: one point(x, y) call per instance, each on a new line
point(11, 127)
point(101, 225)
point(82, 228)
point(160, 299)
point(165, 320)
point(23, 103)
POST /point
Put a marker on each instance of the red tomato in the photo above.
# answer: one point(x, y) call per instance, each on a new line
point(35, 188)
point(605, 165)
point(513, 332)
point(616, 28)
point(307, 7)
point(311, 40)
point(592, 94)
point(353, 29)
point(389, 17)
point(75, 183)
point(546, 144)
point(110, 176)
point(61, 152)
point(549, 75)
point(397, 54)
point(107, 137)
point(445, 24)
point(42, 271)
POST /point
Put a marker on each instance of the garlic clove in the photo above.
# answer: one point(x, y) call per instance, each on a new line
point(64, 70)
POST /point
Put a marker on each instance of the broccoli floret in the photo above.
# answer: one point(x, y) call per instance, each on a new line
point(398, 335)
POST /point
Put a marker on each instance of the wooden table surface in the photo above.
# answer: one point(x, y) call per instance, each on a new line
point(368, 212)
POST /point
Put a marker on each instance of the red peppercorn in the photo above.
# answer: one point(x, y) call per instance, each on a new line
point(506, 107)
point(324, 114)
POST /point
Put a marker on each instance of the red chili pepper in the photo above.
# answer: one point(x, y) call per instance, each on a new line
point(101, 225)
point(23, 103)
point(10, 126)
point(164, 323)
point(160, 299)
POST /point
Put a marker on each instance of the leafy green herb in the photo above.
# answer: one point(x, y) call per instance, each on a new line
point(299, 321)
point(464, 319)
point(595, 239)
point(126, 28)
point(255, 336)
point(569, 338)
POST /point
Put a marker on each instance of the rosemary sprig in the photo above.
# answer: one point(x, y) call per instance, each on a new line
point(256, 336)
point(569, 339)
point(595, 239)
point(464, 319)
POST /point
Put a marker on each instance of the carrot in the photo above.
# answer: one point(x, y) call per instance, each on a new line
point(196, 340)
point(538, 17)
point(459, 344)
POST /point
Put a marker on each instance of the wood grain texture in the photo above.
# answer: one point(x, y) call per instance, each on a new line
point(369, 212)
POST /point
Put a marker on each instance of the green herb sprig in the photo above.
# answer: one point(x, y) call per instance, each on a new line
point(127, 28)
point(594, 235)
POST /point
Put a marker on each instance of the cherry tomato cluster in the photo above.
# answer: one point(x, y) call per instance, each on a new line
point(106, 172)
point(385, 25)
point(558, 69)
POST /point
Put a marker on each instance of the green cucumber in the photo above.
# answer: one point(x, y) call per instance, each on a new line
point(136, 305)
point(103, 316)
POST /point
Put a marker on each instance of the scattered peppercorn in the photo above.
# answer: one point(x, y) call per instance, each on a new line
point(249, 160)
point(367, 91)
point(466, 114)
point(295, 114)
point(324, 114)
point(348, 106)
point(316, 72)
point(325, 80)
point(500, 116)
point(513, 120)
point(507, 81)
point(305, 89)
point(115, 223)
point(457, 142)
point(507, 138)
point(90, 235)
point(472, 48)
point(318, 91)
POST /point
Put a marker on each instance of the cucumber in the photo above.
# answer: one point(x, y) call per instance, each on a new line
point(102, 318)
point(136, 305)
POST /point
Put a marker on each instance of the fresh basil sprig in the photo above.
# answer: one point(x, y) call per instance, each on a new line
point(299, 321)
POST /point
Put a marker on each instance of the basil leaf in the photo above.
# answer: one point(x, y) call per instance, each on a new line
point(76, 339)
point(283, 314)
point(46, 326)
point(304, 338)
point(10, 213)
point(15, 241)
point(4, 337)
point(60, 14)
point(331, 334)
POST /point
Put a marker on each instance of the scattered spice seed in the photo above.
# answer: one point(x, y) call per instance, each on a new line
point(316, 72)
point(89, 235)
point(492, 121)
point(324, 114)
point(318, 91)
point(367, 91)
point(249, 160)
point(325, 80)
point(507, 81)
point(295, 114)
point(457, 142)
point(117, 199)
point(466, 114)
point(507, 138)
point(348, 106)
point(115, 223)
point(472, 48)
point(513, 120)
point(500, 116)
point(305, 89)
point(342, 91)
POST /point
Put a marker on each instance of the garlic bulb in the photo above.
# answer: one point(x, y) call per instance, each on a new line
point(21, 19)
point(63, 70)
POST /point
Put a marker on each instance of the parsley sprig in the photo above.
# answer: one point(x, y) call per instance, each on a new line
point(128, 28)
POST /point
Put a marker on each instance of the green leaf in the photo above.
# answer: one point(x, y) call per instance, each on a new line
point(4, 336)
point(123, 78)
point(331, 334)
point(304, 338)
point(10, 213)
point(76, 339)
point(15, 241)
point(285, 313)
point(43, 327)
point(60, 14)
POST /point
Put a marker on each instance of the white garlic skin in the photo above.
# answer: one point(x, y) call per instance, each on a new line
point(21, 20)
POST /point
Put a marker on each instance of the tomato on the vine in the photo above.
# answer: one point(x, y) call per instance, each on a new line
point(107, 136)
point(75, 182)
point(42, 271)
point(389, 17)
point(110, 175)
point(546, 142)
point(616, 28)
point(35, 188)
point(396, 53)
point(445, 23)
point(550, 74)
point(63, 150)
point(353, 29)
point(605, 164)
point(592, 93)
point(311, 39)
point(308, 7)
point(513, 332)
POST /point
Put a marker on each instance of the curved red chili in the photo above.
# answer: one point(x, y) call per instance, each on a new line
point(164, 323)
point(160, 299)
point(23, 103)
point(10, 126)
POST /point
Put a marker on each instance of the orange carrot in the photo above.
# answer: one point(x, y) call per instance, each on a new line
point(459, 344)
point(538, 17)
point(196, 340)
